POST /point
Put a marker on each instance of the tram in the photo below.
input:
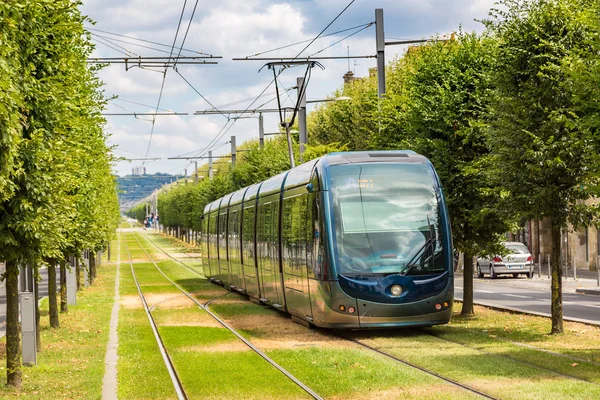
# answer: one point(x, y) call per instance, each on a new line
point(351, 240)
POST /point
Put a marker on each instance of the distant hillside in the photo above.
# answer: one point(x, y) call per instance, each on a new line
point(136, 187)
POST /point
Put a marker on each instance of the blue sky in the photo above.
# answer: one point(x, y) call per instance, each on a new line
point(238, 28)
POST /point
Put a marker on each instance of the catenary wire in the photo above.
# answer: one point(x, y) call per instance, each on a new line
point(109, 40)
point(186, 33)
point(272, 81)
point(307, 40)
point(341, 40)
point(107, 44)
point(199, 94)
point(139, 104)
point(320, 33)
point(131, 43)
point(145, 41)
point(162, 86)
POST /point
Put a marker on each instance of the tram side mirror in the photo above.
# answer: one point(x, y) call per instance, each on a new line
point(310, 188)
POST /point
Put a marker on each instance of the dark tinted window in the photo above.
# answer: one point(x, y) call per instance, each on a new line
point(387, 219)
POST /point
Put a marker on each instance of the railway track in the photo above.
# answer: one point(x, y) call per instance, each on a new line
point(173, 258)
point(418, 367)
point(539, 367)
point(177, 385)
point(423, 369)
point(204, 307)
point(357, 342)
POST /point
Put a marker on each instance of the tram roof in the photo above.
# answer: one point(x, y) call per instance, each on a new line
point(237, 197)
point(352, 157)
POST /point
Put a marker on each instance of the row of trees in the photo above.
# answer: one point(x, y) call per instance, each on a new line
point(509, 118)
point(57, 192)
point(181, 205)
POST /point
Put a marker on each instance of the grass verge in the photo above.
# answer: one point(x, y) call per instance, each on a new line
point(71, 363)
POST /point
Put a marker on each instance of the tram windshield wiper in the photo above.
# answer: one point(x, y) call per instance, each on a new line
point(428, 243)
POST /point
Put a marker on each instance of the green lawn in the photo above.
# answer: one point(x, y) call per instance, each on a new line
point(71, 363)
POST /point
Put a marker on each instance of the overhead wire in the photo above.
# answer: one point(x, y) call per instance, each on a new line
point(145, 41)
point(272, 81)
point(341, 40)
point(186, 33)
point(107, 44)
point(308, 40)
point(320, 33)
point(131, 43)
point(139, 104)
point(199, 94)
point(162, 86)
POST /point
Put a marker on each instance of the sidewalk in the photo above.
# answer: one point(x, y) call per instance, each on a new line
point(585, 283)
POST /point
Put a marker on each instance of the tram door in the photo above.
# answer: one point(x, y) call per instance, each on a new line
point(296, 222)
point(267, 239)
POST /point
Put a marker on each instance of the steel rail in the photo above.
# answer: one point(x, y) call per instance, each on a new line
point(432, 334)
point(181, 395)
point(422, 369)
point(308, 390)
point(175, 259)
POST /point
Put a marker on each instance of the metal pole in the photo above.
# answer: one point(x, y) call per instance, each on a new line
point(233, 151)
point(210, 165)
point(380, 42)
point(186, 176)
point(196, 174)
point(597, 270)
point(540, 265)
point(549, 272)
point(302, 115)
point(27, 302)
point(575, 265)
point(261, 131)
point(289, 140)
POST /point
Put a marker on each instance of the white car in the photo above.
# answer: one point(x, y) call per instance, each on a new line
point(517, 261)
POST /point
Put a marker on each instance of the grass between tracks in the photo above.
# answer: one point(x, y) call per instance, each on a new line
point(71, 363)
point(509, 356)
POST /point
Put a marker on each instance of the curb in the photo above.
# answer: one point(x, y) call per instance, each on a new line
point(588, 291)
point(539, 314)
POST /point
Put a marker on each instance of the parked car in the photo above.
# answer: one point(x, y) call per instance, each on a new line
point(517, 261)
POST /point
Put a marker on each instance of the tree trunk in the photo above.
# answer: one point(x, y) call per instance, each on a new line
point(52, 305)
point(556, 285)
point(108, 252)
point(77, 272)
point(467, 308)
point(13, 327)
point(64, 305)
point(92, 271)
point(38, 333)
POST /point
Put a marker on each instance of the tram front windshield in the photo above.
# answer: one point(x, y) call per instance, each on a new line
point(387, 219)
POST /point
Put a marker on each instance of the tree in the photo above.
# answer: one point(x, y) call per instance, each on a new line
point(543, 154)
point(446, 91)
point(50, 123)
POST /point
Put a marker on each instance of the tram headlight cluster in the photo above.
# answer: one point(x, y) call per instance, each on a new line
point(396, 290)
point(350, 309)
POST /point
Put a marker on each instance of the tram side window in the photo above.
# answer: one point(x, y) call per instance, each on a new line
point(248, 235)
point(233, 235)
point(309, 233)
point(287, 234)
point(222, 237)
point(213, 252)
point(274, 231)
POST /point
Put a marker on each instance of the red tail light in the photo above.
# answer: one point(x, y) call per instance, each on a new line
point(529, 258)
point(497, 259)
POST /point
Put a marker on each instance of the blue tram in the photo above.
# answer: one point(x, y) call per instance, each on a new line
point(349, 240)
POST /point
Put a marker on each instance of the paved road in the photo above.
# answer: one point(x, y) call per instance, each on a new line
point(519, 296)
point(43, 292)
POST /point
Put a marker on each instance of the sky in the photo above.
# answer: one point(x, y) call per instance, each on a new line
point(237, 29)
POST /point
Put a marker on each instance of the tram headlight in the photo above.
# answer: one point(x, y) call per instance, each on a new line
point(396, 290)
